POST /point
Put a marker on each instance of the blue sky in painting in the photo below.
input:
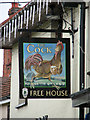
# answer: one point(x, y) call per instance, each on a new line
point(45, 56)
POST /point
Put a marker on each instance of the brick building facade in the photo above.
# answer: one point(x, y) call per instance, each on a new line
point(8, 52)
point(7, 63)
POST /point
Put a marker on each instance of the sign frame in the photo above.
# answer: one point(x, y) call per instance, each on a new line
point(41, 92)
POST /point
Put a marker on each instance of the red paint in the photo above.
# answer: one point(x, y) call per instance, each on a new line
point(15, 5)
point(7, 63)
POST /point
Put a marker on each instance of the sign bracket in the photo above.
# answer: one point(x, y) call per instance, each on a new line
point(48, 30)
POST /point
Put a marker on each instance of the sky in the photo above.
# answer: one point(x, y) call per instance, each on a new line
point(4, 7)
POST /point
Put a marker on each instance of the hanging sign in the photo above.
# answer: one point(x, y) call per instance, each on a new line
point(44, 68)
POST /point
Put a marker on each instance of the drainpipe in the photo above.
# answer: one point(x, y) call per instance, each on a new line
point(82, 56)
point(72, 33)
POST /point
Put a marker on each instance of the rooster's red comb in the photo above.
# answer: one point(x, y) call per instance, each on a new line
point(60, 43)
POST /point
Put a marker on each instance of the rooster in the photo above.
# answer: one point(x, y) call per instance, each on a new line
point(43, 67)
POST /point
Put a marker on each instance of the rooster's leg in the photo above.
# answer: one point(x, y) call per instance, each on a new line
point(54, 84)
point(43, 75)
point(38, 75)
point(49, 78)
point(33, 78)
point(32, 84)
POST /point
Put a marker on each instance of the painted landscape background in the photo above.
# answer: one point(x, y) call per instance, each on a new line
point(58, 80)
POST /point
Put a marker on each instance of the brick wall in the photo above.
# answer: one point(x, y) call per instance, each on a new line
point(7, 63)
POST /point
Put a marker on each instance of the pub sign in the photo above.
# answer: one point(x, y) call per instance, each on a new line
point(44, 68)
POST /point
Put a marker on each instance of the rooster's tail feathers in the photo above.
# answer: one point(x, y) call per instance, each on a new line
point(33, 60)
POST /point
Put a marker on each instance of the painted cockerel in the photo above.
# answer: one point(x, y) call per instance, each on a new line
point(43, 67)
